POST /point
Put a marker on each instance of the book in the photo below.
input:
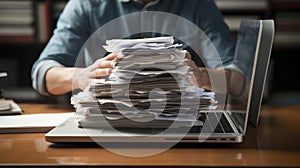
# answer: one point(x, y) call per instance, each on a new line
point(17, 21)
point(9, 107)
point(43, 21)
point(287, 39)
point(253, 5)
point(17, 31)
point(24, 4)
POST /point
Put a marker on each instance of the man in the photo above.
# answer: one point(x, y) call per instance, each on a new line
point(53, 73)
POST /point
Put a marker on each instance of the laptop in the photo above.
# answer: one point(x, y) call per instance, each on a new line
point(228, 125)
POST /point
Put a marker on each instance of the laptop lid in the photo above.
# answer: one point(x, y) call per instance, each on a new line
point(251, 58)
point(261, 70)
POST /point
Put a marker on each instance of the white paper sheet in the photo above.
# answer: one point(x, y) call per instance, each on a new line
point(32, 122)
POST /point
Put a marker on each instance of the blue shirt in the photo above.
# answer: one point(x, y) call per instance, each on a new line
point(81, 18)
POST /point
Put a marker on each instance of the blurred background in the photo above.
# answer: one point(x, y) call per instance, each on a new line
point(26, 25)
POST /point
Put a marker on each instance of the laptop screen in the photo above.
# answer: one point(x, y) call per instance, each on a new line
point(243, 72)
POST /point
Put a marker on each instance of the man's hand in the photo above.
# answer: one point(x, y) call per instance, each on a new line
point(60, 80)
point(101, 67)
point(203, 75)
point(200, 74)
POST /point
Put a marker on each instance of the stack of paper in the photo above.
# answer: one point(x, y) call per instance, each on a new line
point(150, 87)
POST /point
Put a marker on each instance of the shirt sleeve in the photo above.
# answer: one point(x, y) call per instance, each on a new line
point(63, 47)
point(218, 32)
point(213, 25)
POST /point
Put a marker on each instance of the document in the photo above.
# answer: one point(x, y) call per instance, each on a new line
point(32, 122)
point(117, 44)
point(150, 83)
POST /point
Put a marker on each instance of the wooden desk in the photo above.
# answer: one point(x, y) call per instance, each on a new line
point(276, 142)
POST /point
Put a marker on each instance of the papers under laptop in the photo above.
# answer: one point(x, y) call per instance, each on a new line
point(255, 40)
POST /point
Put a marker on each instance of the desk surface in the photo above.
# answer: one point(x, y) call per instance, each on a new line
point(276, 142)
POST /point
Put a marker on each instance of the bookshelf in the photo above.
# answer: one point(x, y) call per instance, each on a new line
point(287, 16)
point(17, 21)
point(25, 28)
point(28, 21)
point(27, 25)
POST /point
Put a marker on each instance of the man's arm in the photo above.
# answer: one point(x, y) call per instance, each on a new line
point(213, 25)
point(234, 80)
point(62, 49)
point(60, 80)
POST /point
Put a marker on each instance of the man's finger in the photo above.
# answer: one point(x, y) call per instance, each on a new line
point(100, 72)
point(191, 64)
point(105, 64)
point(188, 56)
point(111, 56)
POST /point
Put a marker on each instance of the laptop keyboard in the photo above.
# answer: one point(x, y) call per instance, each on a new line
point(210, 119)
